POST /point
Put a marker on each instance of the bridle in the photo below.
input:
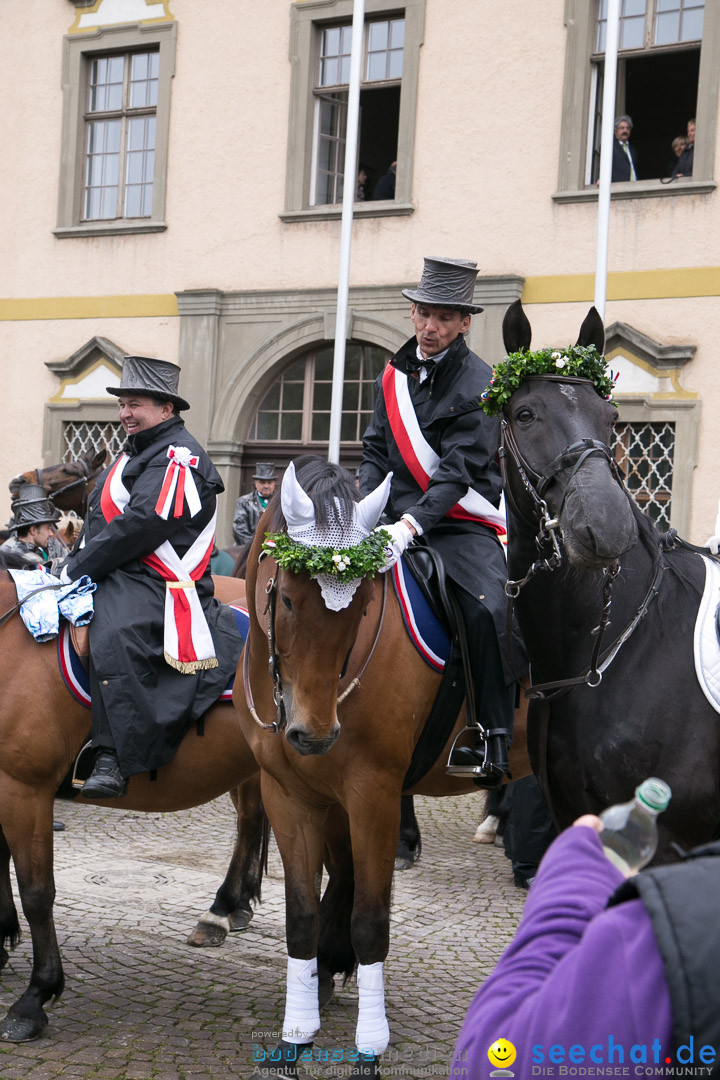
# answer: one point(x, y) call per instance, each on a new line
point(83, 481)
point(535, 485)
point(279, 724)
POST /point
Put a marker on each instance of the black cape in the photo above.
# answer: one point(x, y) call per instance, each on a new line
point(148, 704)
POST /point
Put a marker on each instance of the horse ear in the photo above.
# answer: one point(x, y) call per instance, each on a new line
point(592, 331)
point(99, 460)
point(296, 503)
point(516, 329)
point(369, 509)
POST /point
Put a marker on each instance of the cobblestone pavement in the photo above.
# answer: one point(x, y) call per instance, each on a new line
point(140, 1004)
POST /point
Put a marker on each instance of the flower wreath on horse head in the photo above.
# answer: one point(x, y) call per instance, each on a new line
point(576, 362)
point(336, 543)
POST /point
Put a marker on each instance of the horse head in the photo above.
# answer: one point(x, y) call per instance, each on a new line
point(311, 616)
point(557, 429)
point(68, 483)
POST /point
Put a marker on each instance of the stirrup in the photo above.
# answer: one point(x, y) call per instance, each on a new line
point(467, 770)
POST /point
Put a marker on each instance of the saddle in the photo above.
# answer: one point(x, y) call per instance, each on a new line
point(457, 685)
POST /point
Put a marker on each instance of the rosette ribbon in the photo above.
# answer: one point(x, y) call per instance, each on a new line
point(179, 484)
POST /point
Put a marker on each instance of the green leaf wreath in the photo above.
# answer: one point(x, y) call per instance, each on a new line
point(580, 362)
point(362, 560)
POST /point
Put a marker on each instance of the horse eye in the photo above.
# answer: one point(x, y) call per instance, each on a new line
point(523, 415)
point(286, 601)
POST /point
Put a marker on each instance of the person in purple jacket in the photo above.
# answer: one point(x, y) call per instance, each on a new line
point(603, 974)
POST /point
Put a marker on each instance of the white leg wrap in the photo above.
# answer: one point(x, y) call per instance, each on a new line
point(372, 1032)
point(302, 1014)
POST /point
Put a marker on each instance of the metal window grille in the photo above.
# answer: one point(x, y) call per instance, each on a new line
point(78, 438)
point(646, 453)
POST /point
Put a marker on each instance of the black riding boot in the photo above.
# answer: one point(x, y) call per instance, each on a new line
point(105, 781)
point(484, 756)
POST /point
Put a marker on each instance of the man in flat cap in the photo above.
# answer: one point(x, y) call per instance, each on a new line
point(161, 647)
point(429, 429)
point(250, 508)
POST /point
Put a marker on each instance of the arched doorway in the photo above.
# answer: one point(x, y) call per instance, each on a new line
point(293, 417)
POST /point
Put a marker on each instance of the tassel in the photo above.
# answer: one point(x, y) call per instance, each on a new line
point(190, 667)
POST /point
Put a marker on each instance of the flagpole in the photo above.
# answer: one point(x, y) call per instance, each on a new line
point(350, 183)
point(612, 34)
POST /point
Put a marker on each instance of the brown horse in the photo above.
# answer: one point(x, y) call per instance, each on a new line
point(41, 733)
point(332, 780)
point(69, 484)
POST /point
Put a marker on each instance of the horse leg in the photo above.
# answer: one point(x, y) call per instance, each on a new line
point(410, 842)
point(298, 827)
point(27, 823)
point(335, 951)
point(9, 925)
point(231, 909)
point(374, 826)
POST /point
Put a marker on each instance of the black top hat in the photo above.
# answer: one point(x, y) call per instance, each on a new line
point(264, 470)
point(32, 507)
point(446, 283)
point(149, 377)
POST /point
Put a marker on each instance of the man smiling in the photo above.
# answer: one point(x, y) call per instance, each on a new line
point(147, 542)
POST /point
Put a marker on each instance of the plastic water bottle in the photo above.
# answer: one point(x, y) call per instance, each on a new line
point(630, 836)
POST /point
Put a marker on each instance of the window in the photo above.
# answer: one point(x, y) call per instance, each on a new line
point(121, 121)
point(668, 54)
point(297, 407)
point(322, 31)
point(78, 437)
point(645, 452)
point(379, 106)
point(115, 130)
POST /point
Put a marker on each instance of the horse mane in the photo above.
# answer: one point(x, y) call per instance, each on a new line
point(9, 560)
point(330, 487)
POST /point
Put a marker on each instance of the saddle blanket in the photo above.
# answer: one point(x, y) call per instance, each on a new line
point(706, 644)
point(424, 628)
point(75, 674)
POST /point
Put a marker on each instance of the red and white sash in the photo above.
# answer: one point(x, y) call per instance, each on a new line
point(188, 643)
point(421, 459)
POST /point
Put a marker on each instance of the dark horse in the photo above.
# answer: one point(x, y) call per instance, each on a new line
point(69, 484)
point(628, 705)
point(355, 695)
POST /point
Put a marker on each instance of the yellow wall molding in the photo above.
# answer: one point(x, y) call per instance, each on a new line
point(624, 285)
point(673, 374)
point(167, 16)
point(89, 307)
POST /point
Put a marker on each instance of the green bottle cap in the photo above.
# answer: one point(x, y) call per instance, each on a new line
point(654, 793)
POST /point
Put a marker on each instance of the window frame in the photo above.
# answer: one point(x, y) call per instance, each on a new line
point(79, 50)
point(308, 19)
point(581, 26)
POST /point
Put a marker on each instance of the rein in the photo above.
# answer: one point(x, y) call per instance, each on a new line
point(279, 724)
point(573, 456)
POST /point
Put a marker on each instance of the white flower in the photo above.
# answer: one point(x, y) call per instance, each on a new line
point(341, 565)
point(337, 559)
point(556, 355)
point(561, 361)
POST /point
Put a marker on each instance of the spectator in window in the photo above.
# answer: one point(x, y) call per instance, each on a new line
point(249, 508)
point(624, 159)
point(678, 145)
point(684, 165)
point(361, 191)
point(385, 187)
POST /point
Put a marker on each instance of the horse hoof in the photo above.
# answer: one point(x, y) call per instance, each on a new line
point(19, 1029)
point(367, 1068)
point(487, 830)
point(210, 931)
point(240, 919)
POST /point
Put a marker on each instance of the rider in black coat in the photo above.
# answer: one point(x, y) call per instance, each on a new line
point(149, 681)
point(444, 380)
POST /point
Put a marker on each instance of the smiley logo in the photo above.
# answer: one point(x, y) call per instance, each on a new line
point(502, 1053)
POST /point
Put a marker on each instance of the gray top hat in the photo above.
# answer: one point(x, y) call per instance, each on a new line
point(151, 378)
point(264, 470)
point(32, 507)
point(446, 283)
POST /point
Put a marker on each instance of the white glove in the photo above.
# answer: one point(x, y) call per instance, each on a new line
point(714, 542)
point(401, 536)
